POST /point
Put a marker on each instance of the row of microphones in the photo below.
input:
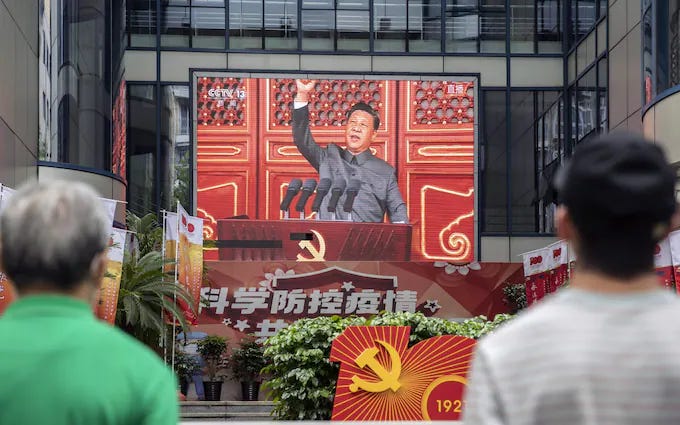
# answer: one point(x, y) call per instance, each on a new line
point(335, 187)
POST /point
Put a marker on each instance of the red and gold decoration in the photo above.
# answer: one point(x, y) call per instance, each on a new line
point(119, 121)
point(110, 285)
point(190, 258)
point(246, 155)
point(381, 379)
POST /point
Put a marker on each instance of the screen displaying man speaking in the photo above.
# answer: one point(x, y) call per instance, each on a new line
point(269, 150)
point(352, 167)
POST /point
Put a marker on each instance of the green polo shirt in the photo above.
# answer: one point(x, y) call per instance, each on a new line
point(60, 365)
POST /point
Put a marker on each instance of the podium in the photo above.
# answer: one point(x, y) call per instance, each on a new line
point(312, 240)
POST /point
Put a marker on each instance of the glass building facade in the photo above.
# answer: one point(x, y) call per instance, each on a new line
point(525, 131)
point(387, 26)
point(661, 48)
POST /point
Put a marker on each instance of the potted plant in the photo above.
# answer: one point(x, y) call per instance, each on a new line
point(246, 363)
point(185, 367)
point(212, 349)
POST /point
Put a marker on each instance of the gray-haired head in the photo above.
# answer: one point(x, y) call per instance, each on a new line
point(50, 235)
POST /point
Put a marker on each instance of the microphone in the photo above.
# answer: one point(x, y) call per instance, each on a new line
point(352, 192)
point(307, 189)
point(293, 189)
point(321, 192)
point(336, 192)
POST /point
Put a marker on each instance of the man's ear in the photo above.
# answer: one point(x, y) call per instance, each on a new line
point(564, 224)
point(98, 266)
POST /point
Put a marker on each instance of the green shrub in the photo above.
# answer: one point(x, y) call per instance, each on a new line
point(515, 296)
point(303, 380)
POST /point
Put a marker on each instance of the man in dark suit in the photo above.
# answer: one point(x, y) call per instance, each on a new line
point(379, 193)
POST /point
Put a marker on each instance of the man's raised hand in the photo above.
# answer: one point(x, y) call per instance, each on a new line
point(304, 87)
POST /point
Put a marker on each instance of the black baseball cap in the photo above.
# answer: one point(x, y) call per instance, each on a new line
point(618, 176)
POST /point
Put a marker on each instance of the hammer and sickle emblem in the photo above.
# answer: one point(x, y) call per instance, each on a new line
point(317, 254)
point(389, 380)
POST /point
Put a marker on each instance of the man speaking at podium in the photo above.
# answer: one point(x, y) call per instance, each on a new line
point(378, 193)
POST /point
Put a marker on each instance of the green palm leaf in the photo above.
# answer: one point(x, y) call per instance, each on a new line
point(147, 295)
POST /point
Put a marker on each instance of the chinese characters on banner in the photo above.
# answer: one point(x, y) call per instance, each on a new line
point(108, 293)
point(261, 298)
point(190, 258)
point(546, 270)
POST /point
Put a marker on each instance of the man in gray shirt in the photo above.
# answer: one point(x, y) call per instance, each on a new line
point(379, 193)
point(605, 350)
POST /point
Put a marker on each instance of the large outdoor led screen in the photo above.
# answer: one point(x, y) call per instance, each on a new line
point(253, 142)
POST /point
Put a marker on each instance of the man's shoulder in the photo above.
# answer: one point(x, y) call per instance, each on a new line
point(512, 335)
point(110, 339)
point(380, 165)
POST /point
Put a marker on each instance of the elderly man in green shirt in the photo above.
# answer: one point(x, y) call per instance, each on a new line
point(58, 363)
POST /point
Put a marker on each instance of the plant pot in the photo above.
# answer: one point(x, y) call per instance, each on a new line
point(250, 391)
point(184, 386)
point(213, 390)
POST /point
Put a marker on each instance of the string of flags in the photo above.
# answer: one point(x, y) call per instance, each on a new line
point(549, 268)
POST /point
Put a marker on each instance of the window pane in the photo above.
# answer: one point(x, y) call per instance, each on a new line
point(587, 15)
point(603, 87)
point(175, 26)
point(207, 25)
point(175, 147)
point(390, 26)
point(280, 22)
point(317, 4)
point(549, 28)
point(141, 145)
point(494, 163)
point(552, 141)
point(353, 4)
point(141, 23)
point(352, 30)
point(649, 67)
point(462, 26)
point(424, 26)
point(204, 3)
point(523, 163)
point(318, 30)
point(522, 26)
point(587, 104)
point(573, 111)
point(492, 27)
point(245, 24)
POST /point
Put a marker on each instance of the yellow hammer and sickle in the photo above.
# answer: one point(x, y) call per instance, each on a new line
point(317, 254)
point(389, 380)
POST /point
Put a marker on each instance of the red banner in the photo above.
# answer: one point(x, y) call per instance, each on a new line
point(110, 285)
point(558, 265)
point(263, 297)
point(6, 292)
point(190, 259)
point(663, 263)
